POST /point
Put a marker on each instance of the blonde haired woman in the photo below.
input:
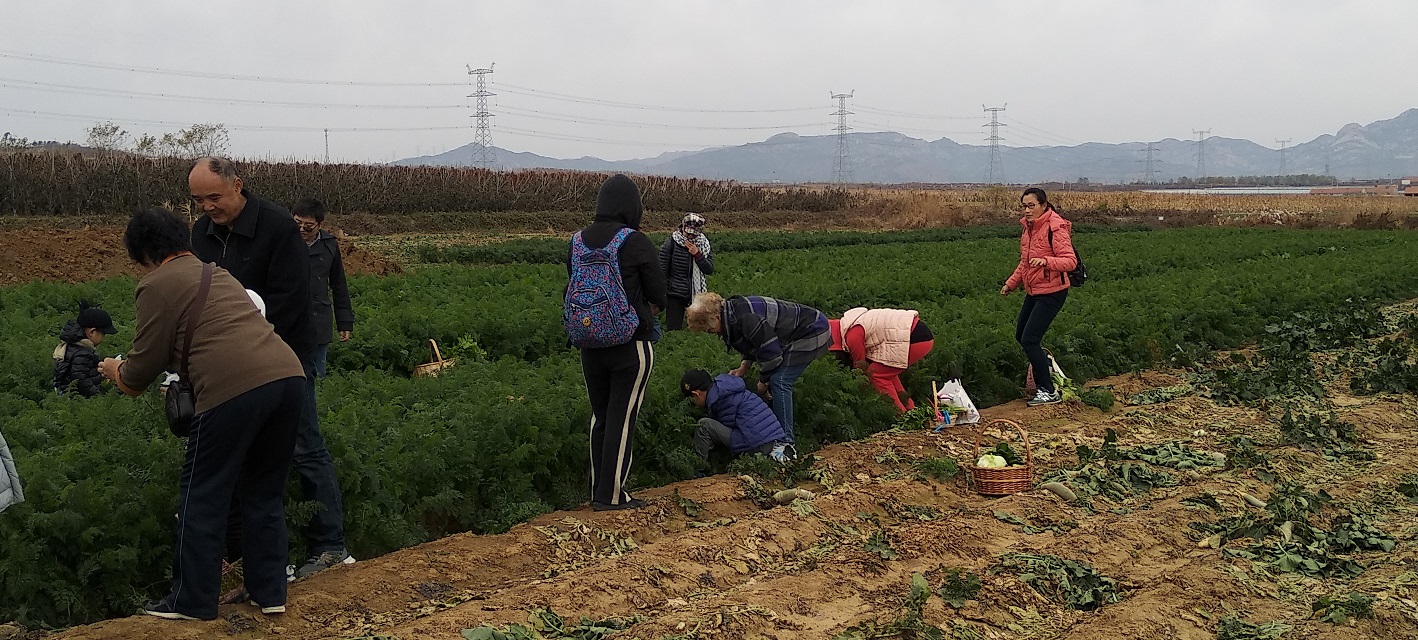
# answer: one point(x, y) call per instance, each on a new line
point(781, 337)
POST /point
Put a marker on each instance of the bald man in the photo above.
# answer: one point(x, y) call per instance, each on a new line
point(259, 243)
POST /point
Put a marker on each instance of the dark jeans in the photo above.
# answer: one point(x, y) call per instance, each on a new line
point(674, 313)
point(1035, 317)
point(616, 378)
point(322, 354)
point(241, 448)
point(312, 460)
point(326, 530)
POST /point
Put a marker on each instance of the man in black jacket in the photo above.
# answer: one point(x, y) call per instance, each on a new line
point(258, 242)
point(616, 376)
point(327, 276)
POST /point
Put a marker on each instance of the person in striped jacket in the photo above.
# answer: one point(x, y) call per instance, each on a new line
point(779, 336)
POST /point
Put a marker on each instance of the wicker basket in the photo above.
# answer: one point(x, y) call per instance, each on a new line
point(431, 369)
point(1003, 481)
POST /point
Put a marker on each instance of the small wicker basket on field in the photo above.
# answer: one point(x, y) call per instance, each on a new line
point(431, 369)
point(1003, 481)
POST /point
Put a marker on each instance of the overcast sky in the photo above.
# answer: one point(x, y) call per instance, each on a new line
point(619, 79)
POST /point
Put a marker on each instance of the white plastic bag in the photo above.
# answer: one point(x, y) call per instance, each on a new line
point(953, 393)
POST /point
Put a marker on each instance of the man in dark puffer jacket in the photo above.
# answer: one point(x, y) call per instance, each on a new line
point(76, 358)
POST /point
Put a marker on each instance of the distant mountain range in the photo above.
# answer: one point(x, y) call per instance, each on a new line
point(1383, 149)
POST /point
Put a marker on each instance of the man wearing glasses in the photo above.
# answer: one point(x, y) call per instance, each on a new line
point(327, 276)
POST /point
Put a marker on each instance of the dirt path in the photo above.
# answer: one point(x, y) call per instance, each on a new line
point(802, 571)
point(94, 253)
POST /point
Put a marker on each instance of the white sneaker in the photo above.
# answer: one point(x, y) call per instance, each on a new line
point(1044, 397)
point(779, 453)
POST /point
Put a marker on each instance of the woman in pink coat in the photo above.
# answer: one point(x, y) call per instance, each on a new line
point(1045, 258)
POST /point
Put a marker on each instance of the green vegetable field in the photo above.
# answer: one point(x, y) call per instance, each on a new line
point(501, 436)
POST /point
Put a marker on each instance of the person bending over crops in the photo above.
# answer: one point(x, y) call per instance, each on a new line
point(76, 357)
point(1046, 257)
point(615, 288)
point(883, 343)
point(686, 258)
point(782, 337)
point(736, 420)
point(250, 388)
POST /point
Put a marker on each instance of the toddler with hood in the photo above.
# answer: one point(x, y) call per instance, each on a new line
point(76, 358)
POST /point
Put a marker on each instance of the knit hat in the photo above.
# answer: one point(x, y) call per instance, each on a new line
point(95, 318)
point(619, 201)
point(695, 380)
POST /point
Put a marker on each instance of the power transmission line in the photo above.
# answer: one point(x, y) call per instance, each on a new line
point(842, 170)
point(996, 162)
point(483, 154)
point(552, 95)
point(126, 93)
point(1201, 152)
point(233, 127)
point(30, 57)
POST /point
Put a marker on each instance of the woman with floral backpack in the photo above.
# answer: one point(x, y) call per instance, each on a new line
point(1046, 257)
point(616, 287)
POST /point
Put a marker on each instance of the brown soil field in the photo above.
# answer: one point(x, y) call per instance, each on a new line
point(803, 571)
point(92, 253)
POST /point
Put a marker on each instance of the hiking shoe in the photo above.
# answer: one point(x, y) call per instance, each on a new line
point(162, 609)
point(321, 562)
point(280, 608)
point(633, 503)
point(1046, 397)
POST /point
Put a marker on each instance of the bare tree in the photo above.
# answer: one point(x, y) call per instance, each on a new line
point(9, 142)
point(108, 136)
point(203, 139)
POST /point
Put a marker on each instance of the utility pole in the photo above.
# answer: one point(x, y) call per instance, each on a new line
point(1282, 144)
point(483, 154)
point(327, 146)
point(1149, 175)
point(842, 169)
point(996, 162)
point(1201, 152)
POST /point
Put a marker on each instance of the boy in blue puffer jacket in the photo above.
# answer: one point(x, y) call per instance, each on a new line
point(738, 420)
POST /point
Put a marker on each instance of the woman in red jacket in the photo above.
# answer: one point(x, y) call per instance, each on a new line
point(1045, 258)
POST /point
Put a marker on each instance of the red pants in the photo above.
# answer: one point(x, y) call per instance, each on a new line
point(887, 380)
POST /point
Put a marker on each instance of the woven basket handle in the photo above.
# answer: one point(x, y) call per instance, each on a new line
point(1023, 435)
point(436, 355)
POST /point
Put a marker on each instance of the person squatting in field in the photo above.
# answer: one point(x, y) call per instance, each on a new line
point(249, 388)
point(616, 376)
point(686, 259)
point(258, 242)
point(883, 343)
point(736, 419)
point(76, 357)
point(1046, 257)
point(781, 337)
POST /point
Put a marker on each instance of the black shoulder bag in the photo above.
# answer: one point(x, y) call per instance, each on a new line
point(181, 397)
point(1079, 276)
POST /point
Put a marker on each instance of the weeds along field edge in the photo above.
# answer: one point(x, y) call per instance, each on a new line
point(501, 436)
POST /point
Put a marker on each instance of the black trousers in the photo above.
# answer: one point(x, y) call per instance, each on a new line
point(243, 445)
point(674, 313)
point(616, 378)
point(1035, 317)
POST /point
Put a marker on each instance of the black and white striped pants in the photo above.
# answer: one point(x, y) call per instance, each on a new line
point(616, 378)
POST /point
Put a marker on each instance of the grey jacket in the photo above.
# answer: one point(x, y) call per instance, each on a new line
point(10, 491)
